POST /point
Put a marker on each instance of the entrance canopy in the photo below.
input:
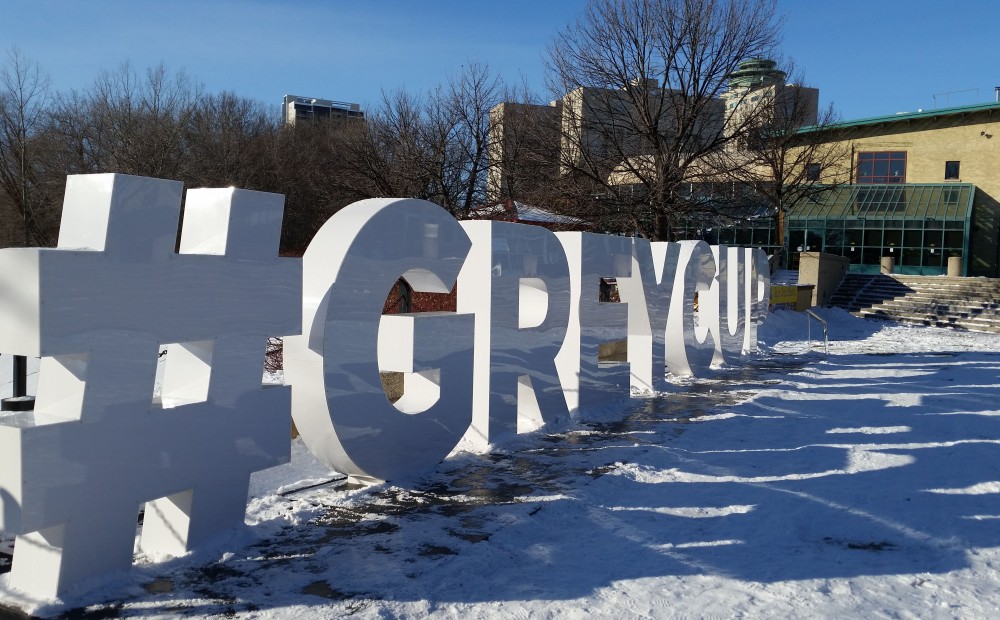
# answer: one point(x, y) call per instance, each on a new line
point(892, 201)
point(919, 225)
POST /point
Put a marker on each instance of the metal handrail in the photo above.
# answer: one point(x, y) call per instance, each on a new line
point(857, 293)
point(826, 339)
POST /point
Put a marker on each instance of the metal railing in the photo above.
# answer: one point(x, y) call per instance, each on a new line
point(19, 399)
point(826, 338)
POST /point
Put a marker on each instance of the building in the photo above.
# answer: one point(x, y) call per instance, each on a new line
point(592, 127)
point(595, 124)
point(296, 109)
point(586, 128)
point(923, 187)
point(524, 140)
point(759, 95)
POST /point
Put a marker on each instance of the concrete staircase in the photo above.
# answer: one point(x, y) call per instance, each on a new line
point(963, 303)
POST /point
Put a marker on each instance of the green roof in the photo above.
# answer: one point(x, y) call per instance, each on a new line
point(906, 116)
point(909, 201)
point(756, 72)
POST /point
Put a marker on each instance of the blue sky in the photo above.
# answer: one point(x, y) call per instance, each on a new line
point(868, 57)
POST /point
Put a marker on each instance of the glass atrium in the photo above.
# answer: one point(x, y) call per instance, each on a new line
point(920, 225)
point(749, 226)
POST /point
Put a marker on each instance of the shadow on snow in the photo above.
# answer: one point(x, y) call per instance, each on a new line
point(790, 468)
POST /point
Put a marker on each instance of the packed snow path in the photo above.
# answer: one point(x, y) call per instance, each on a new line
point(861, 484)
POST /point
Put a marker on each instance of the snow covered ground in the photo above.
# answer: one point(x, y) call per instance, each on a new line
point(860, 484)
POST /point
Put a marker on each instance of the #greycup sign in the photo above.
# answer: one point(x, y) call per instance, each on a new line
point(521, 350)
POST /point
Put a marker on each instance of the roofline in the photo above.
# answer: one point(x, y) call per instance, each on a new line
point(904, 116)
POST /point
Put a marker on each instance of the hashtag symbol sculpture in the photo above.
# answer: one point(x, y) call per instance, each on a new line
point(97, 309)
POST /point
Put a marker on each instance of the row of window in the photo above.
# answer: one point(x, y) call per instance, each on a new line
point(916, 251)
point(820, 239)
point(884, 167)
point(918, 246)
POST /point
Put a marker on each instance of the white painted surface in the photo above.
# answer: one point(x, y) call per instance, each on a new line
point(96, 447)
point(339, 405)
point(516, 281)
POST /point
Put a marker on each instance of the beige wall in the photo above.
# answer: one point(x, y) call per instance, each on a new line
point(930, 143)
point(787, 103)
point(522, 139)
point(825, 271)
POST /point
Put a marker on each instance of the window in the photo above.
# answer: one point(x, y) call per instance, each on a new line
point(812, 171)
point(951, 170)
point(882, 167)
point(879, 200)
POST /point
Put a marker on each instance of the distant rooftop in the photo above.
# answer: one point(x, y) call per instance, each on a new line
point(298, 108)
point(907, 116)
point(326, 103)
point(512, 210)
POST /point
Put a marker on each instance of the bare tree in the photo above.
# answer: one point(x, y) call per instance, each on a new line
point(230, 142)
point(309, 166)
point(434, 146)
point(642, 110)
point(461, 124)
point(387, 155)
point(783, 159)
point(159, 123)
point(24, 94)
point(130, 122)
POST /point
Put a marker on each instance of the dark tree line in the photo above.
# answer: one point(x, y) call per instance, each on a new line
point(644, 128)
point(160, 123)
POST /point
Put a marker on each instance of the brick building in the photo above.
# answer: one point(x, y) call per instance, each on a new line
point(924, 186)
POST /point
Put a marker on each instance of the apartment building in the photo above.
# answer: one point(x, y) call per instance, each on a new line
point(298, 109)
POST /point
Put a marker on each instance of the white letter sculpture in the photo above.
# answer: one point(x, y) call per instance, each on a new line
point(592, 322)
point(98, 308)
point(338, 403)
point(758, 292)
point(730, 296)
point(74, 473)
point(648, 293)
point(516, 281)
point(695, 277)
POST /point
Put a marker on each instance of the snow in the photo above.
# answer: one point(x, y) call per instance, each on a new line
point(523, 213)
point(862, 483)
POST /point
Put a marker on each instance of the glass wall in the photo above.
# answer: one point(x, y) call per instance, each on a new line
point(749, 225)
point(756, 233)
point(919, 225)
